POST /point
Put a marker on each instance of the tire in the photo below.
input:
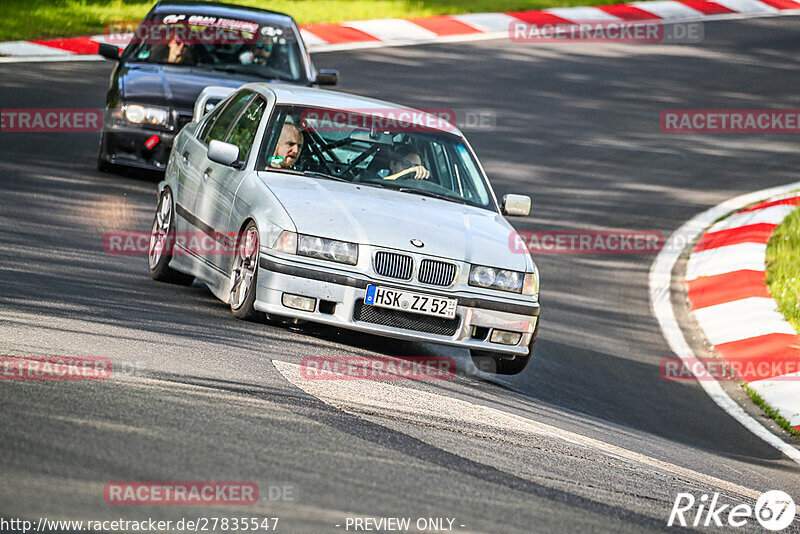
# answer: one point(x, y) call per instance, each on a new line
point(162, 240)
point(488, 362)
point(102, 164)
point(244, 275)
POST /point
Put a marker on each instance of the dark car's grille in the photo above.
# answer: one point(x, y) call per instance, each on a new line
point(182, 120)
point(437, 273)
point(406, 321)
point(394, 265)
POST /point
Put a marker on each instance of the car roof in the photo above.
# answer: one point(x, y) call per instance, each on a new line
point(311, 96)
point(219, 9)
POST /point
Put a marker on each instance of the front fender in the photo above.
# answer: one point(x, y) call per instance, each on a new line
point(255, 201)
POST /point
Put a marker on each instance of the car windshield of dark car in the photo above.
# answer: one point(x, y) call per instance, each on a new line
point(227, 45)
point(387, 149)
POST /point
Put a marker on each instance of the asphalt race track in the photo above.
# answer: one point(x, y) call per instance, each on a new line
point(204, 396)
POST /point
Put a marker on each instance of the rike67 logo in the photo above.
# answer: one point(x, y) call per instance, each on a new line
point(774, 510)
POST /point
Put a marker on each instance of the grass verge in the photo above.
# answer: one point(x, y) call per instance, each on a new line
point(41, 19)
point(783, 267)
point(772, 413)
point(783, 280)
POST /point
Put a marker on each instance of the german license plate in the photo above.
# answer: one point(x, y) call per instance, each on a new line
point(409, 301)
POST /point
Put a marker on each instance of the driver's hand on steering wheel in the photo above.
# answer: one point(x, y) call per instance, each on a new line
point(420, 173)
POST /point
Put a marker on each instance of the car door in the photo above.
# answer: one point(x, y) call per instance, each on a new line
point(220, 182)
point(195, 162)
point(191, 162)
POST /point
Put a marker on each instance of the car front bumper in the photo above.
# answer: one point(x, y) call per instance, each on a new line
point(339, 302)
point(127, 145)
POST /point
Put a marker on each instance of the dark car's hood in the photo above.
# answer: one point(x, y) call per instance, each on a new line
point(167, 85)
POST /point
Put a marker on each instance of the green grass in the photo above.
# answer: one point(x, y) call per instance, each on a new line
point(783, 267)
point(783, 279)
point(772, 413)
point(41, 19)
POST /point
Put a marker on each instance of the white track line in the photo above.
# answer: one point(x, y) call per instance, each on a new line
point(26, 48)
point(311, 39)
point(771, 215)
point(46, 59)
point(742, 319)
point(782, 393)
point(727, 259)
point(747, 7)
point(582, 14)
point(667, 10)
point(381, 398)
point(497, 34)
point(487, 22)
point(391, 29)
point(660, 292)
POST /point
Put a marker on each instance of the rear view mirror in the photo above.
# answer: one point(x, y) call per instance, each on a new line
point(516, 205)
point(327, 77)
point(379, 138)
point(108, 51)
point(223, 153)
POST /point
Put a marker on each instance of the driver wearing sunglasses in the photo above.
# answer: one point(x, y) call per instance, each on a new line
point(178, 51)
point(256, 53)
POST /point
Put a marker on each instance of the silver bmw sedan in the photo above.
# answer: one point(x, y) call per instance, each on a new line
point(314, 205)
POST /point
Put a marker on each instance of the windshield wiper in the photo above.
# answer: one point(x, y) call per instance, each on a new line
point(316, 174)
point(373, 184)
point(232, 69)
point(244, 69)
point(431, 194)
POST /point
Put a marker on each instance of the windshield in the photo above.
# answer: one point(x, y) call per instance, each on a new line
point(229, 45)
point(374, 150)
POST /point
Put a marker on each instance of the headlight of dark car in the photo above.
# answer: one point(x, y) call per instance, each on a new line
point(318, 247)
point(503, 280)
point(142, 115)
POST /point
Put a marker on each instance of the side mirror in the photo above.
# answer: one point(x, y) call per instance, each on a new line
point(327, 77)
point(109, 51)
point(223, 153)
point(516, 205)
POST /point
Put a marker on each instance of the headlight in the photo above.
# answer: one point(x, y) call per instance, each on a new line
point(317, 247)
point(147, 115)
point(492, 278)
point(327, 249)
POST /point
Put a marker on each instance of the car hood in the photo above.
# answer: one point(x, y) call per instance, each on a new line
point(391, 219)
point(173, 86)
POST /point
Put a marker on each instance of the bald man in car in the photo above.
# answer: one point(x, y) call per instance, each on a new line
point(290, 143)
